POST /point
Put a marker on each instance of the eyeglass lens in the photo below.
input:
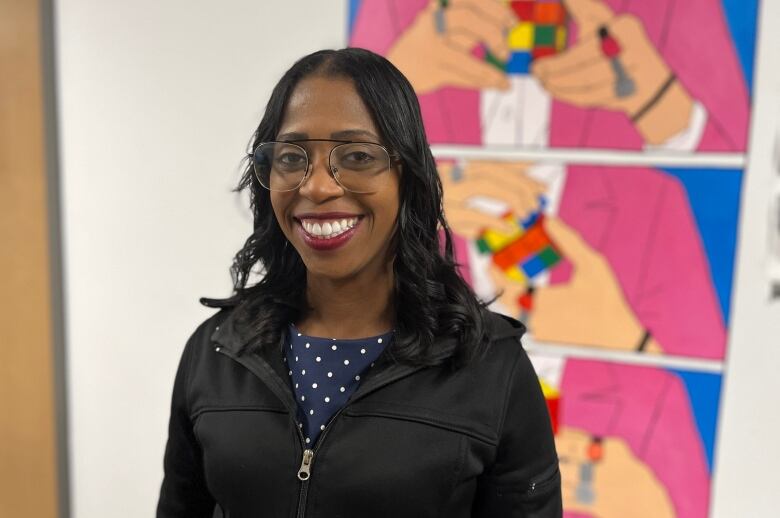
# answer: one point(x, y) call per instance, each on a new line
point(356, 166)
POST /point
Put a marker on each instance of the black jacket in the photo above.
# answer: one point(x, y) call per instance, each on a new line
point(411, 442)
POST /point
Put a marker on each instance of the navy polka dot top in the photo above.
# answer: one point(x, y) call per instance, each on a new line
point(324, 372)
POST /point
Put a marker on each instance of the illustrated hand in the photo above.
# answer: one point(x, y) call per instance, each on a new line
point(590, 309)
point(508, 290)
point(622, 484)
point(582, 75)
point(431, 60)
point(505, 182)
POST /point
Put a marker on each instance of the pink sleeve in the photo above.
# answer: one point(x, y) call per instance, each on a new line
point(676, 299)
point(379, 23)
point(674, 451)
point(648, 408)
point(698, 46)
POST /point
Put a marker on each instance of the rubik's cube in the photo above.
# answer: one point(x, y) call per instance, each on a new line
point(522, 253)
point(541, 31)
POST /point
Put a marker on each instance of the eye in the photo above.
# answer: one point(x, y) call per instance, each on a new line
point(289, 160)
point(358, 157)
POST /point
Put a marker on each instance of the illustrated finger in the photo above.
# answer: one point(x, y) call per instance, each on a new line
point(463, 20)
point(465, 70)
point(445, 168)
point(499, 13)
point(507, 181)
point(470, 222)
point(602, 94)
point(570, 243)
point(571, 503)
point(589, 14)
point(572, 443)
point(569, 494)
point(528, 188)
point(589, 75)
point(519, 201)
point(586, 51)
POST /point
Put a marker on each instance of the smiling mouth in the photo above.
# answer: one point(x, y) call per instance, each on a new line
point(328, 229)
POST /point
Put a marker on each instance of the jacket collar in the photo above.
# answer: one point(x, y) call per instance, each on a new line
point(232, 335)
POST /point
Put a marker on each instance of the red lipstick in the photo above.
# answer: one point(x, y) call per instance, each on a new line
point(326, 244)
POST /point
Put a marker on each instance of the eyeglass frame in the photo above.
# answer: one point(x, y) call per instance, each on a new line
point(393, 158)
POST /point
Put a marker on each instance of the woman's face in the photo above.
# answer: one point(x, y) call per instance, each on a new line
point(361, 225)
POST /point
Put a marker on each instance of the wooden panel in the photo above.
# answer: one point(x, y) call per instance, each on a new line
point(28, 481)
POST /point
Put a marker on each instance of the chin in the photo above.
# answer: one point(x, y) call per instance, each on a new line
point(337, 271)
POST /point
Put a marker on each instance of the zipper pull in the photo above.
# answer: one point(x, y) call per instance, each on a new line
point(305, 470)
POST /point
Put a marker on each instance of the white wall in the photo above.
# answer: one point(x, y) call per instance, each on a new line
point(747, 473)
point(157, 102)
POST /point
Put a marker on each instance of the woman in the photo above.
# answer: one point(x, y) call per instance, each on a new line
point(424, 403)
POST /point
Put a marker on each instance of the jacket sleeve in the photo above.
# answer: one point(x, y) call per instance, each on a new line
point(524, 481)
point(184, 493)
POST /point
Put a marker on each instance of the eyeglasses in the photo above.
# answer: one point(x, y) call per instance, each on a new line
point(356, 166)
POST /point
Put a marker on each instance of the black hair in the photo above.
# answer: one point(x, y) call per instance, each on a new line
point(431, 299)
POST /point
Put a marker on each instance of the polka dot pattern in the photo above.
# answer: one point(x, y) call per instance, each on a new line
point(325, 372)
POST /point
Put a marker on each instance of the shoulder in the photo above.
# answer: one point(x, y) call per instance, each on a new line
point(501, 327)
point(208, 331)
point(504, 335)
point(503, 358)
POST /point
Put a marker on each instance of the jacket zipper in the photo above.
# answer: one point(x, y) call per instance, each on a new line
point(304, 472)
point(307, 458)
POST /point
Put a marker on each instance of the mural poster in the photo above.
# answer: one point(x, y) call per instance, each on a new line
point(592, 157)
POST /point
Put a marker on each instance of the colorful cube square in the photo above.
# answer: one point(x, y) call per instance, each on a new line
point(523, 9)
point(483, 247)
point(498, 240)
point(516, 274)
point(549, 256)
point(534, 240)
point(540, 52)
point(530, 220)
point(560, 38)
point(533, 266)
point(519, 63)
point(548, 13)
point(521, 37)
point(505, 258)
point(544, 35)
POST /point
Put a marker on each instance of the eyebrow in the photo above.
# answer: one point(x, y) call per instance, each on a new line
point(354, 133)
point(345, 134)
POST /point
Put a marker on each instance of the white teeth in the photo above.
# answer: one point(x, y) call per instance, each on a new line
point(329, 229)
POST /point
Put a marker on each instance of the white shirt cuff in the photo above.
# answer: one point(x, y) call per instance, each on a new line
point(689, 138)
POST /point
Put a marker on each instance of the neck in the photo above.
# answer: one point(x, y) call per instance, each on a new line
point(349, 308)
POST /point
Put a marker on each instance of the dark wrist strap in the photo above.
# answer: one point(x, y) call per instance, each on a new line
point(644, 341)
point(654, 99)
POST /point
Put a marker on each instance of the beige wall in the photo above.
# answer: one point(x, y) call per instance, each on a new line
point(27, 418)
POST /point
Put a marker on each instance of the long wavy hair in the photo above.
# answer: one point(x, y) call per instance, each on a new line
point(431, 299)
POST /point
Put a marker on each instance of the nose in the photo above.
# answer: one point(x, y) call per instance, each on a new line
point(320, 185)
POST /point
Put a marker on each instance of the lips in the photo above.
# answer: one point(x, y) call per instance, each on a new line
point(327, 231)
